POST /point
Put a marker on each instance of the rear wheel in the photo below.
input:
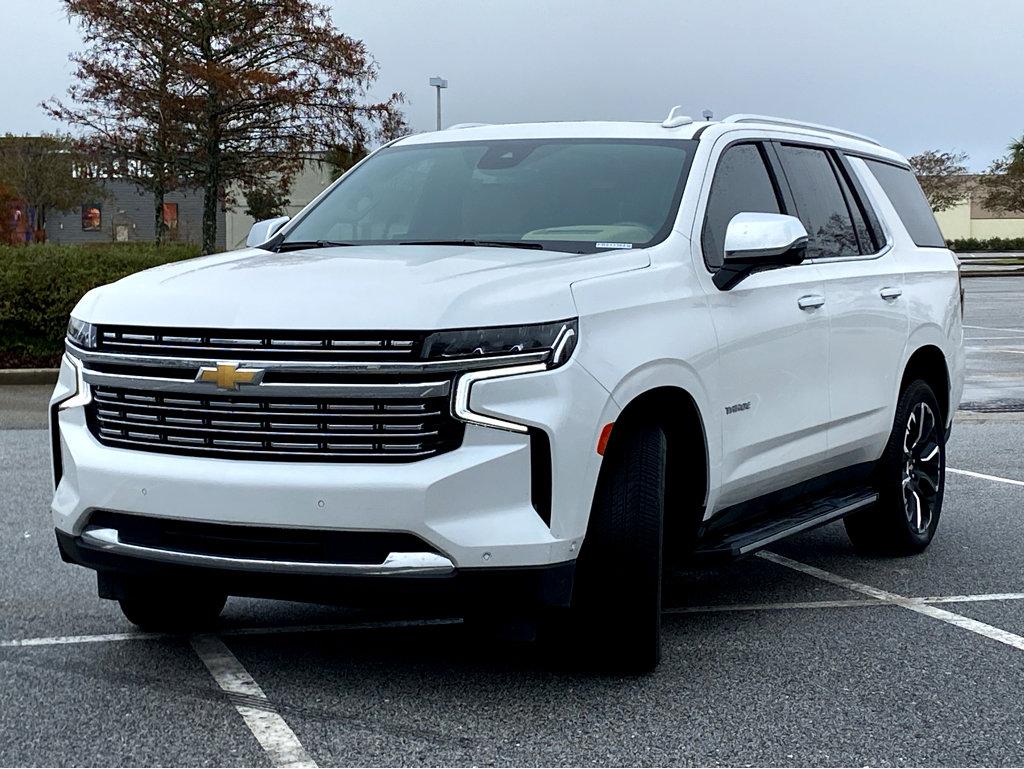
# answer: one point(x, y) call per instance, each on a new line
point(615, 620)
point(910, 478)
point(170, 609)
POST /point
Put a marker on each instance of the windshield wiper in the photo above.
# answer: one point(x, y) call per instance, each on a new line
point(481, 243)
point(299, 245)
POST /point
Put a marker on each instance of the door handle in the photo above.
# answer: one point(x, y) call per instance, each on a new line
point(889, 293)
point(810, 302)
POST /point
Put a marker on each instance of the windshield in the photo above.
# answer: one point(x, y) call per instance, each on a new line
point(580, 195)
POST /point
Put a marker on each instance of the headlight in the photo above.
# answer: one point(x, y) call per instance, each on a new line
point(558, 338)
point(82, 334)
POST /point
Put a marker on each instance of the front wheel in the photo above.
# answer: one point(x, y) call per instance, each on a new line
point(910, 479)
point(615, 619)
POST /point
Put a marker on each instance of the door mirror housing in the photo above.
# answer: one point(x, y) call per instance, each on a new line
point(263, 231)
point(755, 242)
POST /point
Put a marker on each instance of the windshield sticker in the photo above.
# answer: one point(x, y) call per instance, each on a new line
point(613, 245)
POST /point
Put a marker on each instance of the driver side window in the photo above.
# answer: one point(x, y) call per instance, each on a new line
point(741, 183)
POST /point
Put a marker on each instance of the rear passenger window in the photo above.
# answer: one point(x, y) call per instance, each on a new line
point(819, 202)
point(910, 203)
point(741, 183)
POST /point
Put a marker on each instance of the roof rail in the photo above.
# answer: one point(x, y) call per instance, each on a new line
point(457, 126)
point(744, 118)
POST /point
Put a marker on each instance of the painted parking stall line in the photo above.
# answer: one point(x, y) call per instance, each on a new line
point(957, 620)
point(268, 727)
point(985, 477)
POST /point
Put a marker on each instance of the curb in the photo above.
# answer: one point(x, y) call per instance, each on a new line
point(28, 376)
point(992, 273)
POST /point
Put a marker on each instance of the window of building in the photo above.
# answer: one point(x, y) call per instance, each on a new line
point(908, 199)
point(819, 202)
point(92, 218)
point(170, 216)
point(742, 183)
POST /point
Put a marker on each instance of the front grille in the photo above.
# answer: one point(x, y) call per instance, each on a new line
point(310, 429)
point(260, 344)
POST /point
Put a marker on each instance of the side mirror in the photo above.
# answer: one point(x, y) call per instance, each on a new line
point(759, 241)
point(263, 231)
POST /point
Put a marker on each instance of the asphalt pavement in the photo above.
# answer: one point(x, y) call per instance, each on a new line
point(808, 655)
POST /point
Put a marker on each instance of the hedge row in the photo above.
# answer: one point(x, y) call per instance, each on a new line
point(41, 283)
point(988, 244)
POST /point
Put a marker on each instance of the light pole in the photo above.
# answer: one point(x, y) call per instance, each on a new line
point(438, 83)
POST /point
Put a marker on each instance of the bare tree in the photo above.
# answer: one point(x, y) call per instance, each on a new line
point(128, 95)
point(943, 177)
point(275, 84)
point(234, 93)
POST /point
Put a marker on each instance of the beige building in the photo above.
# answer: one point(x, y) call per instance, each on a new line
point(312, 180)
point(970, 219)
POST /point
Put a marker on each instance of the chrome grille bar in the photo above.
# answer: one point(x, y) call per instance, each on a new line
point(418, 390)
point(219, 424)
point(190, 360)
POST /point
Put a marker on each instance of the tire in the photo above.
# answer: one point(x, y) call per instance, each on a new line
point(910, 480)
point(171, 609)
point(615, 619)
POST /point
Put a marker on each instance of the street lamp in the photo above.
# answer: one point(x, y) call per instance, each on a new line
point(438, 83)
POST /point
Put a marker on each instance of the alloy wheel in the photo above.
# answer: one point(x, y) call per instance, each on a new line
point(922, 472)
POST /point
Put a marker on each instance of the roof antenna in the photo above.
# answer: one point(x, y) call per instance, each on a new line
point(707, 114)
point(676, 118)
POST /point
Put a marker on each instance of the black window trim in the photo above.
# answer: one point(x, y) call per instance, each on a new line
point(783, 195)
point(832, 152)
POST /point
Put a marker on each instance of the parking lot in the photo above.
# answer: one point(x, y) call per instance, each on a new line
point(806, 654)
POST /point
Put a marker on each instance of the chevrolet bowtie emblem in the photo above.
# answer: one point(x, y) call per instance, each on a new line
point(227, 376)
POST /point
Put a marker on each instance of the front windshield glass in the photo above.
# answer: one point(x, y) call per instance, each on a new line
point(580, 195)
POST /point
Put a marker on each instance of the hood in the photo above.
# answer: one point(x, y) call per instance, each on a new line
point(355, 287)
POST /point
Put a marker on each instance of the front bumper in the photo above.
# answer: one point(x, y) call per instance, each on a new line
point(475, 505)
point(507, 588)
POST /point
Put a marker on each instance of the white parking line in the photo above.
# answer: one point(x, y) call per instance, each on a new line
point(993, 328)
point(238, 631)
point(957, 620)
point(274, 735)
point(985, 477)
point(850, 603)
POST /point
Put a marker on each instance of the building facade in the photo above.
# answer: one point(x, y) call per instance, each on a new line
point(970, 219)
point(126, 213)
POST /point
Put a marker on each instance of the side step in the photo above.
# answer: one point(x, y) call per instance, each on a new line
point(766, 531)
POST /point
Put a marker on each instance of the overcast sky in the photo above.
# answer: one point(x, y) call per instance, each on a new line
point(915, 74)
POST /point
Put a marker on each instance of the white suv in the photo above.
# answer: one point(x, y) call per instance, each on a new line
point(516, 368)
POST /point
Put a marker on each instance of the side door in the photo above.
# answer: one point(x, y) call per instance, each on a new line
point(868, 318)
point(772, 331)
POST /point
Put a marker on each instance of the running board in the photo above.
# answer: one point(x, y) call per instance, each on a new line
point(795, 521)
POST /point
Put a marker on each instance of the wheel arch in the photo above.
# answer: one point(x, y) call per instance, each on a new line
point(929, 364)
point(687, 474)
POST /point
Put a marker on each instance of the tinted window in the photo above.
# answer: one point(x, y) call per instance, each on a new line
point(910, 203)
point(868, 243)
point(819, 202)
point(564, 195)
point(741, 183)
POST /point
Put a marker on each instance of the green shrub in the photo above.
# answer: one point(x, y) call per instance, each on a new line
point(988, 244)
point(40, 285)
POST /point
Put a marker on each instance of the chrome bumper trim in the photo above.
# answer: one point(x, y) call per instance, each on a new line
point(396, 564)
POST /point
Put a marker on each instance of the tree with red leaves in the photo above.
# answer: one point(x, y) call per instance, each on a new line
point(223, 93)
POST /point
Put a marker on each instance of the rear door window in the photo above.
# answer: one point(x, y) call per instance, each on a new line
point(908, 199)
point(820, 202)
point(741, 184)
